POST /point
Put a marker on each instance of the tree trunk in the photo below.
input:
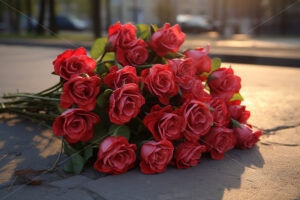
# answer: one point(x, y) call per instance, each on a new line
point(258, 16)
point(223, 17)
point(96, 7)
point(17, 16)
point(28, 7)
point(52, 24)
point(40, 28)
point(283, 19)
point(108, 14)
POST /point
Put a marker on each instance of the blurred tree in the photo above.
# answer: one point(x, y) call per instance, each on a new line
point(52, 17)
point(166, 11)
point(96, 17)
point(40, 28)
point(28, 8)
point(108, 14)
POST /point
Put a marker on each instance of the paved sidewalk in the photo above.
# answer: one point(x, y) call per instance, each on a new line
point(268, 171)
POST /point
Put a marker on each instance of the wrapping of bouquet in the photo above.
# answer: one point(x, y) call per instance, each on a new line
point(140, 101)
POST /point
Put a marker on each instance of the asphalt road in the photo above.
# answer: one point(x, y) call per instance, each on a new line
point(268, 171)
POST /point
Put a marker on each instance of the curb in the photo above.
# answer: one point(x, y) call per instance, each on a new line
point(261, 60)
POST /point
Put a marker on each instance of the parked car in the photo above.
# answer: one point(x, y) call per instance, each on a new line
point(70, 23)
point(195, 24)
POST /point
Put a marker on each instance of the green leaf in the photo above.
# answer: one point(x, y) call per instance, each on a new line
point(78, 163)
point(68, 167)
point(143, 31)
point(235, 124)
point(101, 68)
point(99, 134)
point(109, 56)
point(102, 100)
point(88, 153)
point(215, 64)
point(98, 48)
point(210, 77)
point(153, 28)
point(69, 150)
point(119, 130)
point(237, 96)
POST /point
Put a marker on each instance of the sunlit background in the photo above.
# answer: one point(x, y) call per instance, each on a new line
point(215, 18)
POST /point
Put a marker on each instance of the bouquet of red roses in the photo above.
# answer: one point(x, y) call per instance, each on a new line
point(138, 100)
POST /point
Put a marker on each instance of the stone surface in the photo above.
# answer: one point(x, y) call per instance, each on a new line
point(268, 171)
point(71, 182)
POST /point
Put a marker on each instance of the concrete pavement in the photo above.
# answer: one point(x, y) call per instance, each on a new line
point(239, 49)
point(268, 171)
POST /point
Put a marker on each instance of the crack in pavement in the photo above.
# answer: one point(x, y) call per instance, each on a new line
point(277, 128)
point(277, 143)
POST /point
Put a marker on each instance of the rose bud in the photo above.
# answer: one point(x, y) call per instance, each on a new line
point(117, 78)
point(188, 154)
point(194, 89)
point(246, 138)
point(220, 112)
point(167, 39)
point(223, 83)
point(183, 69)
point(155, 156)
point(135, 55)
point(200, 59)
point(164, 123)
point(121, 36)
point(239, 113)
point(73, 62)
point(125, 103)
point(81, 90)
point(75, 125)
point(218, 141)
point(161, 82)
point(115, 155)
point(198, 119)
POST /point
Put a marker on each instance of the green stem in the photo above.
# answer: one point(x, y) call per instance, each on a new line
point(106, 61)
point(53, 87)
point(30, 96)
point(31, 114)
point(102, 56)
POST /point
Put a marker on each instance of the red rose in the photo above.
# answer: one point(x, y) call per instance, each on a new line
point(135, 55)
point(220, 113)
point(115, 155)
point(223, 83)
point(194, 89)
point(117, 78)
point(198, 119)
point(81, 90)
point(188, 154)
point(155, 156)
point(164, 123)
point(161, 82)
point(246, 138)
point(200, 59)
point(218, 141)
point(167, 39)
point(75, 125)
point(125, 103)
point(239, 113)
point(121, 36)
point(73, 62)
point(183, 69)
